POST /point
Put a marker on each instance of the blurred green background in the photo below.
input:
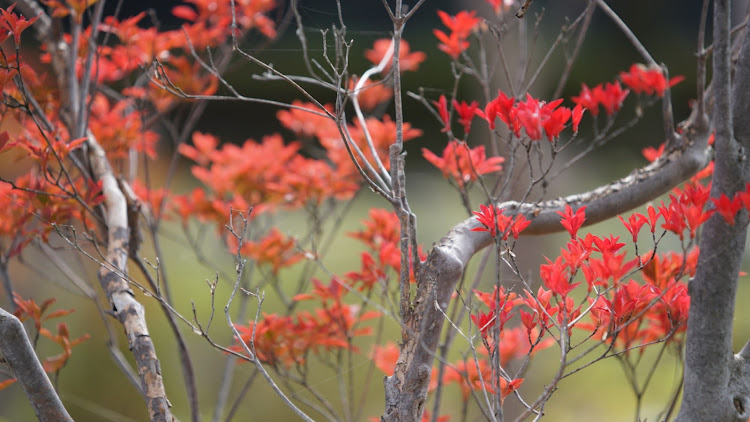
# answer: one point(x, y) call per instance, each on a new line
point(92, 387)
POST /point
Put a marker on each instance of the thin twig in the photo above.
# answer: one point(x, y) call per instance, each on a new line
point(627, 32)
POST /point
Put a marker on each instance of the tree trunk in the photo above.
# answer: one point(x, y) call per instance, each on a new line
point(717, 382)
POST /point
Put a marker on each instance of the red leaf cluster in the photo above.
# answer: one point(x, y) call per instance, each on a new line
point(274, 250)
point(461, 26)
point(29, 309)
point(477, 375)
point(288, 340)
point(536, 117)
point(372, 93)
point(407, 60)
point(610, 96)
point(28, 210)
point(495, 222)
point(466, 113)
point(289, 179)
point(11, 23)
point(647, 80)
point(463, 164)
point(382, 237)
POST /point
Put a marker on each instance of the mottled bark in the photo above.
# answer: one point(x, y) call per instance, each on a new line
point(112, 277)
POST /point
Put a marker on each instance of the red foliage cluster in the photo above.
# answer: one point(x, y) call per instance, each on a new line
point(650, 81)
point(459, 162)
point(628, 313)
point(477, 375)
point(461, 26)
point(273, 249)
point(469, 375)
point(120, 123)
point(208, 24)
point(466, 113)
point(495, 222)
point(535, 116)
point(212, 209)
point(658, 309)
point(371, 94)
point(29, 309)
point(287, 340)
point(27, 210)
point(382, 238)
point(463, 164)
point(408, 61)
point(289, 180)
point(14, 24)
point(610, 96)
point(118, 139)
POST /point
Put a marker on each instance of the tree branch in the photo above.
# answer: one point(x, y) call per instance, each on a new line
point(16, 350)
point(406, 389)
point(111, 276)
point(607, 201)
point(627, 32)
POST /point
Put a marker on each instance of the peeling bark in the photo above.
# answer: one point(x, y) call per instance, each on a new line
point(112, 277)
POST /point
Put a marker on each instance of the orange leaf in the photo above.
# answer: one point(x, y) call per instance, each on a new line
point(7, 383)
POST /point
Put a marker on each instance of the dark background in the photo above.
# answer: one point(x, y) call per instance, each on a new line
point(668, 29)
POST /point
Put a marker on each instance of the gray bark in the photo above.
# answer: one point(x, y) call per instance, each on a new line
point(717, 382)
point(16, 351)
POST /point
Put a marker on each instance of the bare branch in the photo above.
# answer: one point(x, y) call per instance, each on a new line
point(579, 42)
point(628, 33)
point(406, 390)
point(700, 76)
point(524, 8)
point(673, 139)
point(16, 351)
point(129, 311)
point(607, 201)
point(7, 285)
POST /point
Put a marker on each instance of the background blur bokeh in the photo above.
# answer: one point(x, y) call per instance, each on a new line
point(93, 388)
